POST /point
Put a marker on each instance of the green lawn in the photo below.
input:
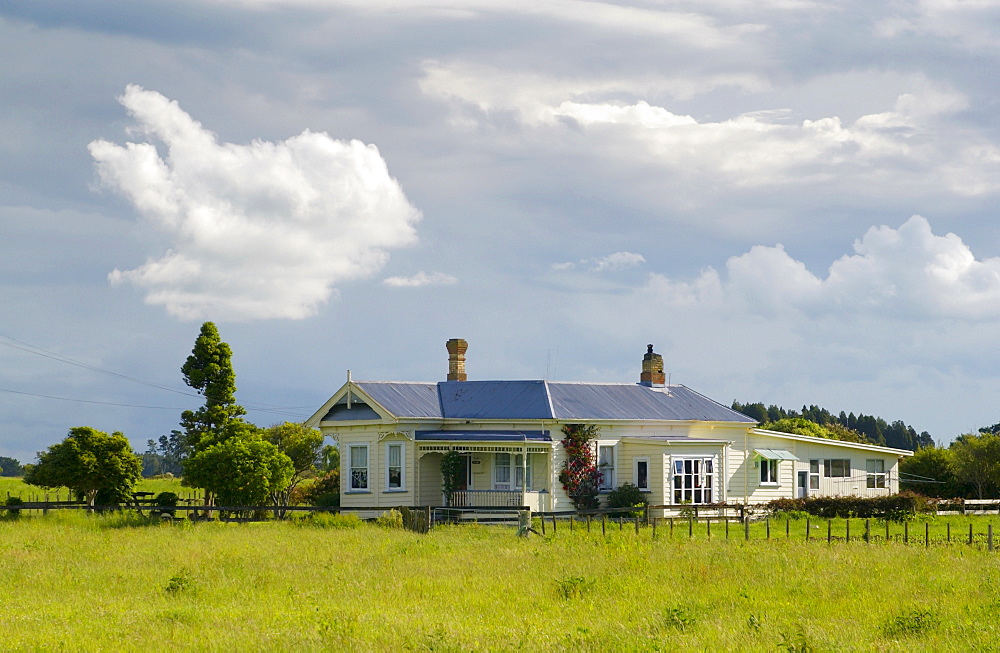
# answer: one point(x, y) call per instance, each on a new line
point(79, 582)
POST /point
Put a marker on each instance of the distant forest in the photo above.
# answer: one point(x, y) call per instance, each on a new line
point(898, 434)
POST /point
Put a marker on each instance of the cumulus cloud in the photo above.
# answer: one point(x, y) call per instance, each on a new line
point(907, 272)
point(907, 139)
point(421, 279)
point(262, 230)
point(610, 263)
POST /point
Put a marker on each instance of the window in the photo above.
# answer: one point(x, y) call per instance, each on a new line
point(501, 471)
point(876, 473)
point(837, 468)
point(640, 473)
point(768, 472)
point(520, 473)
point(358, 461)
point(693, 480)
point(606, 463)
point(813, 474)
point(394, 474)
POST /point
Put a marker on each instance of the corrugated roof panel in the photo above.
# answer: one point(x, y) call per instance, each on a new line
point(616, 401)
point(404, 399)
point(516, 400)
point(494, 400)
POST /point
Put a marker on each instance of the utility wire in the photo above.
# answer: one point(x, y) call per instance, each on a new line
point(38, 351)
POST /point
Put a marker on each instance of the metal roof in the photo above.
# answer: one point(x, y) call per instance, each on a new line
point(775, 454)
point(484, 436)
point(513, 400)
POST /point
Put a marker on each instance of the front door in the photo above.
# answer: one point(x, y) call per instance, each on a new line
point(803, 484)
point(466, 482)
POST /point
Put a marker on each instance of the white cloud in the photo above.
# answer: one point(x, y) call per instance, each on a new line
point(421, 279)
point(262, 230)
point(899, 273)
point(610, 263)
point(908, 141)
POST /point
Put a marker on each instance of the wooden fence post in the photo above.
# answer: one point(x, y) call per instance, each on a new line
point(647, 514)
point(829, 531)
point(637, 524)
point(788, 528)
point(887, 530)
point(708, 528)
point(807, 529)
point(847, 524)
point(949, 532)
point(767, 526)
point(588, 523)
point(543, 523)
point(727, 528)
point(654, 528)
point(553, 524)
point(746, 527)
point(572, 518)
point(868, 531)
point(690, 528)
point(671, 528)
point(604, 522)
point(970, 533)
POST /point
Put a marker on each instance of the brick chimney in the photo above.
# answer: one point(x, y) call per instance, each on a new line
point(652, 370)
point(456, 359)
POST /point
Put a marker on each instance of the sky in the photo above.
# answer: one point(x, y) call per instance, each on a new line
point(795, 202)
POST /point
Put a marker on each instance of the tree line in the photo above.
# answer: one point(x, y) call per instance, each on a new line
point(234, 462)
point(841, 426)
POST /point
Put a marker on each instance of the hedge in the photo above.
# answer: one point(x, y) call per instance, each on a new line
point(895, 507)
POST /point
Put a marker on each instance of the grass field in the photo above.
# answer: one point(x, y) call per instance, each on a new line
point(70, 581)
point(16, 487)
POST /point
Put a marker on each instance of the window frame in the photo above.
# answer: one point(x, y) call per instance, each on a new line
point(497, 483)
point(352, 468)
point(830, 463)
point(701, 472)
point(814, 464)
point(770, 474)
point(389, 446)
point(518, 477)
point(876, 479)
point(635, 472)
point(608, 478)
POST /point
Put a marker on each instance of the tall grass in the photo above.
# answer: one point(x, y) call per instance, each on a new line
point(74, 581)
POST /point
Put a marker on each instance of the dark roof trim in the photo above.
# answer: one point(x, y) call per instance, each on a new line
point(483, 436)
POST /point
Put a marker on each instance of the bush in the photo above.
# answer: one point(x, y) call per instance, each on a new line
point(323, 492)
point(13, 506)
point(897, 507)
point(627, 495)
point(390, 519)
point(164, 499)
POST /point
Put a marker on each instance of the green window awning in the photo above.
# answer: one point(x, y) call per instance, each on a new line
point(775, 454)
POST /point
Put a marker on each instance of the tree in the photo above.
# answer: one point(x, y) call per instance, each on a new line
point(930, 471)
point(88, 461)
point(330, 458)
point(303, 447)
point(241, 470)
point(165, 456)
point(580, 476)
point(976, 460)
point(10, 467)
point(209, 371)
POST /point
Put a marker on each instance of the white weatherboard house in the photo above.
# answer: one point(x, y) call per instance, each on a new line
point(675, 444)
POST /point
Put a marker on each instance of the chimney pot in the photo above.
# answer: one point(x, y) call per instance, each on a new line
point(456, 359)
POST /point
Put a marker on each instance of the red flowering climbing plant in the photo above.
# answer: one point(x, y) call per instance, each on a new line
point(580, 476)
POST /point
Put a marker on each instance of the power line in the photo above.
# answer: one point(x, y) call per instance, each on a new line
point(87, 401)
point(38, 351)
